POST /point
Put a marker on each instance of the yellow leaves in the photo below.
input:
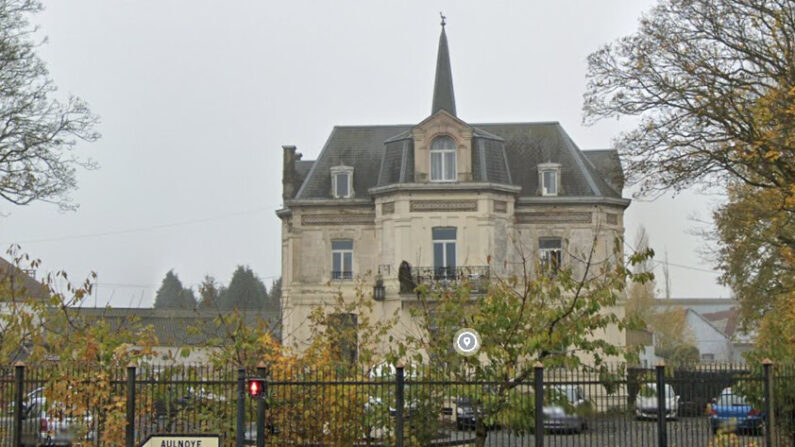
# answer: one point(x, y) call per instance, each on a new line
point(729, 440)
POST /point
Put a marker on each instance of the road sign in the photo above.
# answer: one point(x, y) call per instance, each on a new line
point(182, 440)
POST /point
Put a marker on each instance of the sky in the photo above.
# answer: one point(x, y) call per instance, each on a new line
point(197, 97)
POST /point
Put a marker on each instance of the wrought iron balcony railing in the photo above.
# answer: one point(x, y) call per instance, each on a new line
point(476, 276)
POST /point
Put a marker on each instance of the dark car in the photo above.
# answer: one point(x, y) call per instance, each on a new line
point(732, 412)
point(464, 414)
point(565, 409)
point(50, 423)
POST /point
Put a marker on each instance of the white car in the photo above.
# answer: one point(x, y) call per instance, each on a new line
point(646, 402)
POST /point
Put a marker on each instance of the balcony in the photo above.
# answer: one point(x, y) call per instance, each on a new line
point(476, 276)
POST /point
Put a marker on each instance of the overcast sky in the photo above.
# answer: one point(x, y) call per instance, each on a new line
point(196, 99)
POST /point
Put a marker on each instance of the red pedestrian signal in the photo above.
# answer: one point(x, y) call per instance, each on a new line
point(256, 387)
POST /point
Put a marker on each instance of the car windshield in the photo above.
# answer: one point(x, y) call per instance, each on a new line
point(731, 399)
point(569, 392)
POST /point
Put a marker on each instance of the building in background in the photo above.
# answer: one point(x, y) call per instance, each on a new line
point(438, 201)
point(184, 336)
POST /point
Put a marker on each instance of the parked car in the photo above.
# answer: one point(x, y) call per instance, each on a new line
point(646, 402)
point(50, 423)
point(566, 409)
point(464, 414)
point(732, 412)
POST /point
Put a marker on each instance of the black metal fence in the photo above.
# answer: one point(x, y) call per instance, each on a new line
point(386, 406)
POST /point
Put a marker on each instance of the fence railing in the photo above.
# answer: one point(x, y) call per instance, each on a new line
point(83, 405)
point(476, 276)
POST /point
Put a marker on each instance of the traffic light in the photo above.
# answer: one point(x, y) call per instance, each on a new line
point(256, 387)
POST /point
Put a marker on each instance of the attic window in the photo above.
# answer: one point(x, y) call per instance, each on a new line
point(342, 182)
point(549, 178)
point(443, 165)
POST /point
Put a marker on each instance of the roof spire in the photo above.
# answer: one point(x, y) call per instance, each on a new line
point(443, 96)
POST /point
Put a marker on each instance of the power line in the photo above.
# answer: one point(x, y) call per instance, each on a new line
point(687, 267)
point(143, 229)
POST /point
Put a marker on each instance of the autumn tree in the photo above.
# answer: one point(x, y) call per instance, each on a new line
point(641, 295)
point(756, 264)
point(171, 294)
point(210, 292)
point(673, 338)
point(42, 322)
point(245, 291)
point(557, 319)
point(39, 130)
point(712, 83)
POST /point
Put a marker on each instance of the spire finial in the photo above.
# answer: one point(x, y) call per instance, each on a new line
point(443, 19)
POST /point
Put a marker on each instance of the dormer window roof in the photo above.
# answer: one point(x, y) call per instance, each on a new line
point(342, 182)
point(549, 178)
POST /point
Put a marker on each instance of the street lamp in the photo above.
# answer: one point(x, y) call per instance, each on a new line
point(379, 291)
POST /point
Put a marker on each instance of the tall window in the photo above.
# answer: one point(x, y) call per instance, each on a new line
point(342, 259)
point(342, 181)
point(444, 252)
point(549, 174)
point(443, 168)
point(550, 254)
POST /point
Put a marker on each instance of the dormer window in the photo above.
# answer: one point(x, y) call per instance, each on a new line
point(549, 178)
point(342, 182)
point(443, 167)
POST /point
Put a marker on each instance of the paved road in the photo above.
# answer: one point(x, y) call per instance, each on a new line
point(614, 432)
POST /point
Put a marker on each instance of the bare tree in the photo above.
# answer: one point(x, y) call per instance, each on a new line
point(37, 131)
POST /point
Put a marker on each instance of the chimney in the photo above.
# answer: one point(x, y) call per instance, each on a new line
point(288, 173)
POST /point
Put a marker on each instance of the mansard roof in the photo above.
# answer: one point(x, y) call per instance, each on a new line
point(503, 153)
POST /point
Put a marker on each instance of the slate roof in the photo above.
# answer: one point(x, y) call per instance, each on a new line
point(359, 146)
point(504, 153)
point(174, 327)
point(607, 163)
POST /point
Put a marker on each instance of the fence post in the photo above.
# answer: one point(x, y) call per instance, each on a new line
point(662, 435)
point(399, 403)
point(262, 373)
point(19, 389)
point(538, 391)
point(130, 428)
point(769, 421)
point(241, 407)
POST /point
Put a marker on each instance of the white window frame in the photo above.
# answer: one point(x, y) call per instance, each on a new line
point(547, 254)
point(336, 171)
point(443, 152)
point(340, 253)
point(549, 168)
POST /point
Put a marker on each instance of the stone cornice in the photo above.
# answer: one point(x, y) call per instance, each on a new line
point(445, 187)
point(329, 202)
point(584, 200)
